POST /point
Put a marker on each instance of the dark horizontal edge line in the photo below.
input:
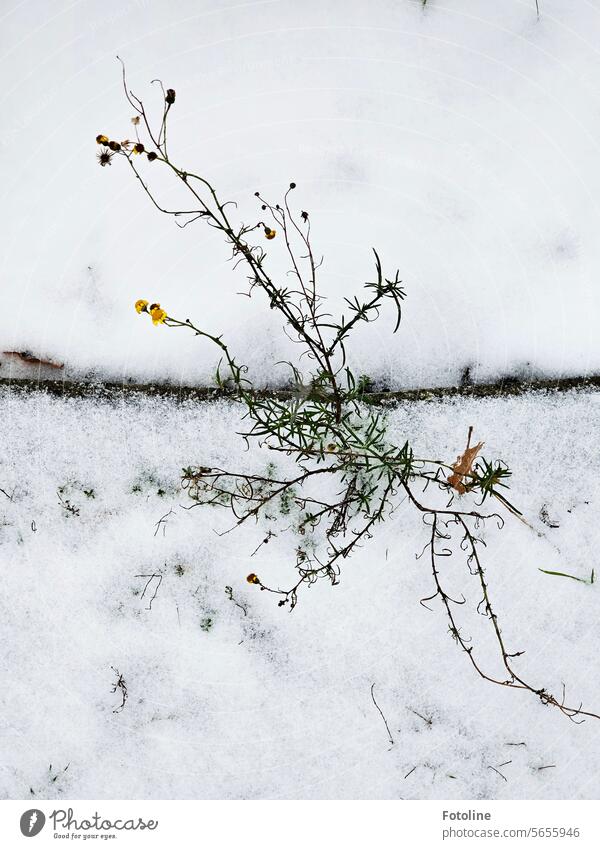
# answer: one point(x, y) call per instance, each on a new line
point(503, 388)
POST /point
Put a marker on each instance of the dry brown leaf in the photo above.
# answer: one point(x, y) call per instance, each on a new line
point(30, 359)
point(463, 466)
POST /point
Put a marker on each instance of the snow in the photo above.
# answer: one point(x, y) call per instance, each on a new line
point(250, 701)
point(460, 139)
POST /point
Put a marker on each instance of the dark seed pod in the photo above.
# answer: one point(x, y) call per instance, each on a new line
point(170, 97)
point(152, 156)
point(292, 185)
point(139, 147)
point(114, 145)
point(104, 158)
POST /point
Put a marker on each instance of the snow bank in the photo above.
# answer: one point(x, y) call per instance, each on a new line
point(460, 139)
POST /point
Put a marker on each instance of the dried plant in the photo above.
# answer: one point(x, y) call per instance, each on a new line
point(119, 686)
point(348, 476)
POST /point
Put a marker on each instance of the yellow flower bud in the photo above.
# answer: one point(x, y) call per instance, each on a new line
point(140, 306)
point(253, 579)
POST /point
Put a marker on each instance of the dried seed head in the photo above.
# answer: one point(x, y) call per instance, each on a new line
point(104, 157)
point(114, 145)
point(170, 96)
point(138, 148)
point(152, 156)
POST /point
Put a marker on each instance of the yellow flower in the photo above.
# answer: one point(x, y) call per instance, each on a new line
point(101, 139)
point(158, 314)
point(140, 306)
point(253, 579)
point(270, 234)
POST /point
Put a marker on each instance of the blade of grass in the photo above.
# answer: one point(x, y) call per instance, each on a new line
point(573, 577)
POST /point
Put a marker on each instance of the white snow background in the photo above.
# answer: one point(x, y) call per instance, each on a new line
point(459, 139)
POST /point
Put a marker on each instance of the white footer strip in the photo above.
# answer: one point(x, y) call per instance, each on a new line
point(297, 824)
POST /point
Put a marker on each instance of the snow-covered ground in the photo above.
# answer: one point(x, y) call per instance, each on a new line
point(460, 138)
point(241, 699)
